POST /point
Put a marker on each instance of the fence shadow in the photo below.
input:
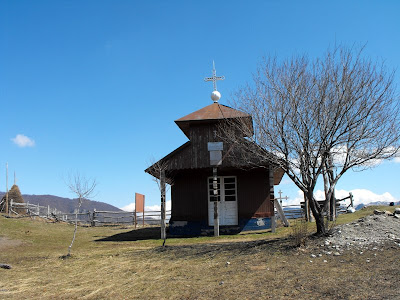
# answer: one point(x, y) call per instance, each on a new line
point(148, 233)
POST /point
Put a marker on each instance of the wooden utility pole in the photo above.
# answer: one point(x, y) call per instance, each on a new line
point(163, 229)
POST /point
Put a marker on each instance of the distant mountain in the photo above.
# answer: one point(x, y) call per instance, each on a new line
point(361, 205)
point(66, 205)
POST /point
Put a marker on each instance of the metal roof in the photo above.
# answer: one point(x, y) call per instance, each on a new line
point(213, 111)
point(210, 113)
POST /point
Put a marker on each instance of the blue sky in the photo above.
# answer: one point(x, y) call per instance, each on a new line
point(97, 84)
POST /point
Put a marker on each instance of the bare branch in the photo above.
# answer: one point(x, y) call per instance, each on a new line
point(329, 115)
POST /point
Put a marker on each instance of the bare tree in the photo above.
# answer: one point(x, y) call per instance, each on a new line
point(83, 188)
point(158, 170)
point(320, 116)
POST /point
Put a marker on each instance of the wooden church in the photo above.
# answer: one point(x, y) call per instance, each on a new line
point(244, 192)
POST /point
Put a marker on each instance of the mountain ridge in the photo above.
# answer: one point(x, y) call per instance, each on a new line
point(66, 205)
point(361, 205)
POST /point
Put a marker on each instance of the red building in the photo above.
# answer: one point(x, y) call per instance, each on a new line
point(244, 192)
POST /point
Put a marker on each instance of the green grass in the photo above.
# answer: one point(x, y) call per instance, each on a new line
point(261, 265)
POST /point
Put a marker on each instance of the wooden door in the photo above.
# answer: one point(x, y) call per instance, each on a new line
point(227, 197)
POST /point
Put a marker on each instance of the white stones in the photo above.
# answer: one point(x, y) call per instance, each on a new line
point(366, 233)
point(313, 256)
point(336, 254)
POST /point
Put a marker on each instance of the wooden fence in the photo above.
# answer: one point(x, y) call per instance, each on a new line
point(89, 218)
point(292, 211)
point(298, 211)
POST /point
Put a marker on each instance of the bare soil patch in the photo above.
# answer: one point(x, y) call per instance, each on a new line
point(8, 243)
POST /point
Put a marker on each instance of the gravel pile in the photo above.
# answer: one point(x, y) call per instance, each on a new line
point(366, 233)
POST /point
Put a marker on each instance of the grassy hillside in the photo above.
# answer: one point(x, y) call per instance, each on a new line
point(133, 265)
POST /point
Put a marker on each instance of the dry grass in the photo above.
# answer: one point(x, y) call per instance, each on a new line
point(261, 265)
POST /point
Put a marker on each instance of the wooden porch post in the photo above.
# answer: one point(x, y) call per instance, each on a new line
point(215, 188)
point(163, 229)
point(272, 198)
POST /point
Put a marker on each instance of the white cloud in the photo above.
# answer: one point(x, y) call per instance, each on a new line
point(23, 141)
point(131, 207)
point(367, 196)
point(359, 196)
point(397, 160)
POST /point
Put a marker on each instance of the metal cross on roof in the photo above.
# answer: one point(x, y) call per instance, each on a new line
point(214, 78)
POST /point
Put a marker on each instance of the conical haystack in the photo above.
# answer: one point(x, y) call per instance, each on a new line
point(16, 196)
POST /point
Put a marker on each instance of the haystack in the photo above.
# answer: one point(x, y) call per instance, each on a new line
point(15, 194)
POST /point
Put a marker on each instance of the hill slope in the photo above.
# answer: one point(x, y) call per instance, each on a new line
point(65, 204)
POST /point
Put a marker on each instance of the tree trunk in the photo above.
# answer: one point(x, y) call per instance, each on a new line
point(317, 213)
point(321, 227)
point(76, 226)
point(327, 205)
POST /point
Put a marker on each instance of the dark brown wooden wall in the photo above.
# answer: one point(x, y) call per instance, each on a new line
point(190, 198)
point(196, 155)
point(253, 194)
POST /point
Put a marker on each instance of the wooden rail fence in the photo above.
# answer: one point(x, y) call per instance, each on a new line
point(90, 218)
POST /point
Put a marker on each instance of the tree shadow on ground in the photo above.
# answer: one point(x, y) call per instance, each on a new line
point(148, 233)
point(232, 248)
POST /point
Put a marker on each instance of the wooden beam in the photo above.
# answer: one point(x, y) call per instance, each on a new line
point(281, 213)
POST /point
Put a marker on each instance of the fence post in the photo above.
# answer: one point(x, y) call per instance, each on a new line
point(351, 199)
point(48, 211)
point(38, 210)
point(11, 206)
point(93, 223)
